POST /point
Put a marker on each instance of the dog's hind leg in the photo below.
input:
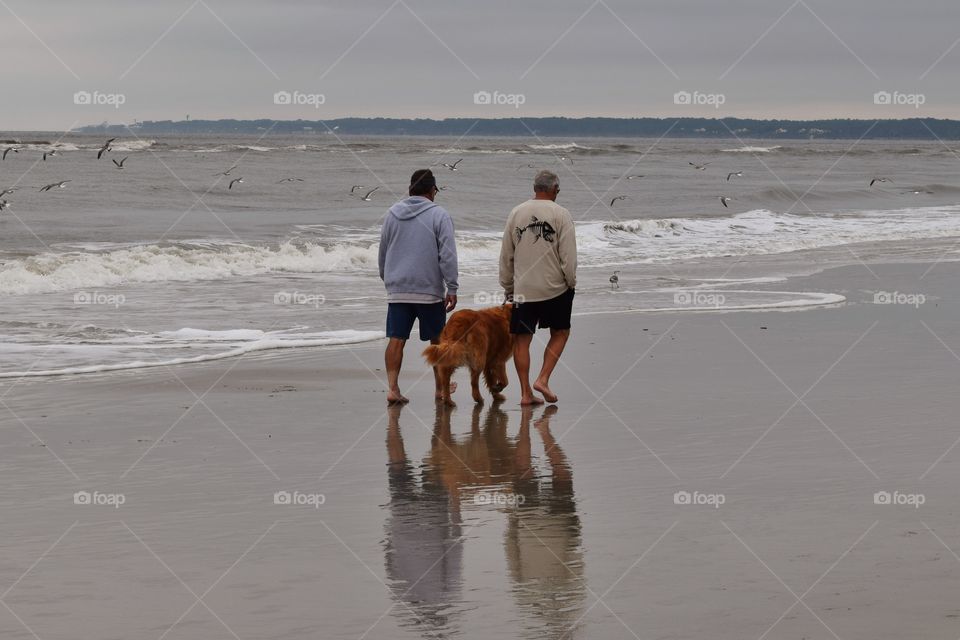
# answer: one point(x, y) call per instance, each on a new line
point(445, 374)
point(475, 384)
point(496, 379)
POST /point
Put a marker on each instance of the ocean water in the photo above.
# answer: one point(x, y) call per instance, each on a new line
point(162, 263)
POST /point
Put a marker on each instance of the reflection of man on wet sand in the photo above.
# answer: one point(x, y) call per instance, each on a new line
point(542, 543)
point(424, 548)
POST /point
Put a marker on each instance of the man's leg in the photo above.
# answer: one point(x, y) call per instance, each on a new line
point(393, 359)
point(521, 358)
point(551, 356)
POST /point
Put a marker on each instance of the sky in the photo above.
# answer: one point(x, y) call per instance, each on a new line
point(79, 63)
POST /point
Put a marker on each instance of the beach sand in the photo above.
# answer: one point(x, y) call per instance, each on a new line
point(790, 421)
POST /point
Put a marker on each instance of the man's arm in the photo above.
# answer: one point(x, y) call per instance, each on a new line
point(447, 245)
point(382, 254)
point(507, 249)
point(568, 251)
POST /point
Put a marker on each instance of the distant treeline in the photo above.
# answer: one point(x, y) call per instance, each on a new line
point(907, 129)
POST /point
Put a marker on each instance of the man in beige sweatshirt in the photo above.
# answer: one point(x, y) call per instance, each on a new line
point(538, 271)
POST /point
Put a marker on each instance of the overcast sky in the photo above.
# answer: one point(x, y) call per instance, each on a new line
point(419, 58)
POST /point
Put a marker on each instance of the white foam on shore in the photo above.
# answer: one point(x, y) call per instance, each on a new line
point(793, 300)
point(242, 342)
point(749, 149)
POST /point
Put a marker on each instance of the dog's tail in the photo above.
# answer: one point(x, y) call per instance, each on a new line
point(446, 354)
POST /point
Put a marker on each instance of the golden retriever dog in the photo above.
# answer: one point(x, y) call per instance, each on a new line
point(480, 340)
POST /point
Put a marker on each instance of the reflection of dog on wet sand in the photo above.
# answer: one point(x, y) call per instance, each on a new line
point(479, 340)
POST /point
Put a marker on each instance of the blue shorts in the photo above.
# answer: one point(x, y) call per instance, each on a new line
point(431, 317)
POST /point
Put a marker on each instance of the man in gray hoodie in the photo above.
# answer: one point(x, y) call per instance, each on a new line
point(418, 266)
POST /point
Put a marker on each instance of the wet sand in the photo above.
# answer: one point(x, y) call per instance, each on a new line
point(424, 522)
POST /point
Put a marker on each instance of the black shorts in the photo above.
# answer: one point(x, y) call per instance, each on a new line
point(548, 314)
point(431, 316)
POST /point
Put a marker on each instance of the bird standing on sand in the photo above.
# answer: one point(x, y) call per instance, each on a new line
point(615, 280)
point(618, 198)
point(880, 180)
point(52, 185)
point(738, 174)
point(8, 150)
point(119, 164)
point(367, 198)
point(235, 181)
point(104, 148)
point(50, 153)
point(699, 167)
point(453, 167)
point(724, 200)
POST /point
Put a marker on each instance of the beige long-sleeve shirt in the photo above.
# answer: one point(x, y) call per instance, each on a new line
point(538, 258)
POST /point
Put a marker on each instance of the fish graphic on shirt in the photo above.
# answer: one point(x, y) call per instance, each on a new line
point(540, 229)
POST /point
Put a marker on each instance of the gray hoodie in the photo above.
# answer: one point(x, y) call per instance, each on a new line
point(418, 253)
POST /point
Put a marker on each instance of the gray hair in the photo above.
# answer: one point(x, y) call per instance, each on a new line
point(546, 182)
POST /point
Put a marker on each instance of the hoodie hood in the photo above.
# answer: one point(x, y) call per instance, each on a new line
point(411, 207)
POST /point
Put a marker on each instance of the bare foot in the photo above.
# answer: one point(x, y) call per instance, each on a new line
point(545, 390)
point(395, 397)
point(453, 389)
point(530, 400)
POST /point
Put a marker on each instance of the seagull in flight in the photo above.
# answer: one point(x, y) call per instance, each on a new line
point(8, 150)
point(632, 177)
point(7, 191)
point(618, 198)
point(119, 164)
point(367, 197)
point(55, 185)
point(355, 187)
point(724, 200)
point(615, 280)
point(738, 174)
point(290, 180)
point(235, 181)
point(880, 180)
point(227, 172)
point(699, 167)
point(104, 148)
point(453, 167)
point(50, 153)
